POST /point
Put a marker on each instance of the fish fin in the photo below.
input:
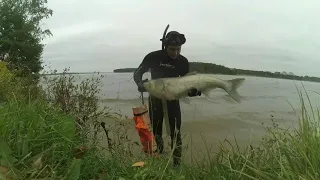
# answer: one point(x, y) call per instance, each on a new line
point(185, 100)
point(206, 94)
point(232, 87)
point(191, 73)
point(207, 91)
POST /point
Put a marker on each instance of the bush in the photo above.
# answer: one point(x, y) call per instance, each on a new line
point(14, 87)
point(46, 130)
point(39, 141)
point(33, 135)
point(6, 78)
point(79, 98)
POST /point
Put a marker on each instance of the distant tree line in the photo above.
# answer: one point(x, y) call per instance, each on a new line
point(122, 70)
point(201, 67)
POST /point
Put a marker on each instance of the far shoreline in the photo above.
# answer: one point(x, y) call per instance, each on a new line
point(210, 68)
point(246, 75)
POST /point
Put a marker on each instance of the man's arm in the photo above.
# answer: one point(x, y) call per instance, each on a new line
point(143, 67)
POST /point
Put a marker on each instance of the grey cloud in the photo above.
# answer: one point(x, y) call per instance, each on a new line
point(251, 34)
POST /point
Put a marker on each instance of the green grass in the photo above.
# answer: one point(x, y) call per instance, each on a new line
point(37, 142)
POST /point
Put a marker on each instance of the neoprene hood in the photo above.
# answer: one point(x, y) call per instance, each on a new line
point(174, 38)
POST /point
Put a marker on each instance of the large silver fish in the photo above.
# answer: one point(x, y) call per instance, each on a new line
point(178, 87)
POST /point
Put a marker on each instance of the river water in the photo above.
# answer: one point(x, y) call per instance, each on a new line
point(206, 122)
point(261, 98)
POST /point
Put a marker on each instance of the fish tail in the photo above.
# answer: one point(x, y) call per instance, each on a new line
point(232, 86)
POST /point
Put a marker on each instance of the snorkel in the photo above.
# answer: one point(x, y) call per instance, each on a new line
point(164, 36)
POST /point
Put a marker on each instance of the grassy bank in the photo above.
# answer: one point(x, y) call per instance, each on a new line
point(55, 136)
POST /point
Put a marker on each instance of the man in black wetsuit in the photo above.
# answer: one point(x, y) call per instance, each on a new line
point(166, 63)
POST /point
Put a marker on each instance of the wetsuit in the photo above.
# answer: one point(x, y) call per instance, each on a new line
point(162, 66)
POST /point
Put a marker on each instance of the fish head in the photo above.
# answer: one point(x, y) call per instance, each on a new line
point(149, 85)
point(154, 87)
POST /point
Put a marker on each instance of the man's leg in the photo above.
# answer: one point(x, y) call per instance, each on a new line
point(174, 113)
point(156, 118)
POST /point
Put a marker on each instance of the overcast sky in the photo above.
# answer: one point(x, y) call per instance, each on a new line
point(101, 35)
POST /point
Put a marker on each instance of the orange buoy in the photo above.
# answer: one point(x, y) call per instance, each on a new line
point(142, 122)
